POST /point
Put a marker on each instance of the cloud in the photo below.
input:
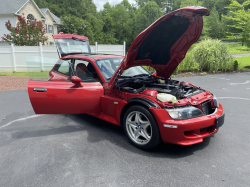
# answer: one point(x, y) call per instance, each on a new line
point(99, 3)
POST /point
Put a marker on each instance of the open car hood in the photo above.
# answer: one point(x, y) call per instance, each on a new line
point(71, 44)
point(164, 44)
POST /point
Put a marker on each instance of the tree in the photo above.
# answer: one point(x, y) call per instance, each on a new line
point(213, 27)
point(190, 3)
point(78, 8)
point(161, 3)
point(240, 15)
point(146, 15)
point(41, 3)
point(73, 24)
point(123, 26)
point(96, 26)
point(108, 24)
point(29, 34)
point(118, 23)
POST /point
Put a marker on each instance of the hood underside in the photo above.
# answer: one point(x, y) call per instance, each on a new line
point(164, 44)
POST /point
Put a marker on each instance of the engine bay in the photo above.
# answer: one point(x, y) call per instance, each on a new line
point(145, 83)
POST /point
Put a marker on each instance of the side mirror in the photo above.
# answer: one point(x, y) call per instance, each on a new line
point(76, 80)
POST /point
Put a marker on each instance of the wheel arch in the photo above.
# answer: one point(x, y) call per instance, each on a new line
point(144, 102)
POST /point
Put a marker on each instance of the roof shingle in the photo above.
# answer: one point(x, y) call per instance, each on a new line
point(57, 19)
point(11, 6)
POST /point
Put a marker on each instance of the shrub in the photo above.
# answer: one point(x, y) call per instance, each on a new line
point(29, 34)
point(212, 55)
point(187, 64)
point(236, 65)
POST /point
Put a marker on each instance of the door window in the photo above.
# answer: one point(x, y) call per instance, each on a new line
point(86, 71)
point(63, 67)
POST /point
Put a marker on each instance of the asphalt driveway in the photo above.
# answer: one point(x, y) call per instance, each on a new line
point(80, 150)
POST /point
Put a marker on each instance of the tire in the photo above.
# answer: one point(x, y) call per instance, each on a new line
point(141, 127)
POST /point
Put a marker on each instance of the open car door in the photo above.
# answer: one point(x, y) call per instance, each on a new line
point(69, 96)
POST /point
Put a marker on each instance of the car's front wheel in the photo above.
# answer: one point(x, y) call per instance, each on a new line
point(141, 128)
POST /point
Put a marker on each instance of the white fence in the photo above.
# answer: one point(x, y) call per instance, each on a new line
point(14, 58)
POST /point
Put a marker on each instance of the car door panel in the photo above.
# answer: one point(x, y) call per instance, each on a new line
point(55, 76)
point(50, 97)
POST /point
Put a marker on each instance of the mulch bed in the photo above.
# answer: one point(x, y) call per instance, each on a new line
point(13, 83)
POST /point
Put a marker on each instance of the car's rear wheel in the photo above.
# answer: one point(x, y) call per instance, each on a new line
point(141, 128)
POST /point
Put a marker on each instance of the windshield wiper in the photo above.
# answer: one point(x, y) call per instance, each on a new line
point(129, 77)
point(143, 74)
point(125, 76)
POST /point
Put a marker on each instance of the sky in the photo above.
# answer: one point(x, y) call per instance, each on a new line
point(99, 3)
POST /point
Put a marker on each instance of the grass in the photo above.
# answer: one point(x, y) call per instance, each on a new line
point(243, 61)
point(237, 48)
point(234, 48)
point(27, 74)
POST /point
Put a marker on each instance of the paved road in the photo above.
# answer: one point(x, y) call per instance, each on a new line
point(241, 55)
point(79, 150)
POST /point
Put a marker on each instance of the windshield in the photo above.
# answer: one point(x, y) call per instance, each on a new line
point(108, 66)
point(71, 46)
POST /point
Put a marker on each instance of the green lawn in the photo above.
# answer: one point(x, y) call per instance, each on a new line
point(234, 48)
point(27, 74)
point(243, 61)
point(237, 48)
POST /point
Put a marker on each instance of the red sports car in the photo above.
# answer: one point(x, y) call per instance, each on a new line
point(119, 90)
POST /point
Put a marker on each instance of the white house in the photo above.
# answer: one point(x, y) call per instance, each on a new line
point(10, 9)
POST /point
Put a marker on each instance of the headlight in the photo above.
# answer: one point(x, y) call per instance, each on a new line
point(184, 113)
point(216, 103)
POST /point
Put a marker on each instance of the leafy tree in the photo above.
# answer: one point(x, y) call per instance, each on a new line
point(123, 17)
point(240, 15)
point(108, 24)
point(73, 24)
point(96, 26)
point(213, 27)
point(123, 22)
point(42, 3)
point(79, 8)
point(163, 4)
point(146, 15)
point(29, 34)
point(118, 22)
point(191, 3)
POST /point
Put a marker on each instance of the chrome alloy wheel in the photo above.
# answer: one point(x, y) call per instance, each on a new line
point(138, 127)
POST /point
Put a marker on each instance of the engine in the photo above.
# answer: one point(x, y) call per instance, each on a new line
point(148, 84)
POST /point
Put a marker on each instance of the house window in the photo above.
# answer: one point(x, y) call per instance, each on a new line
point(30, 17)
point(50, 29)
point(58, 29)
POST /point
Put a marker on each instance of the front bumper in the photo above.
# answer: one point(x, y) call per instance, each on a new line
point(188, 131)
